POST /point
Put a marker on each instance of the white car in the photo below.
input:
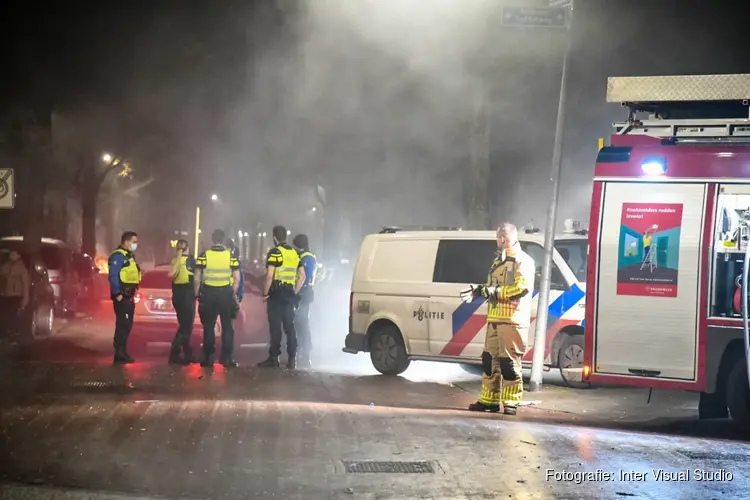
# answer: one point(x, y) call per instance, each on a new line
point(405, 303)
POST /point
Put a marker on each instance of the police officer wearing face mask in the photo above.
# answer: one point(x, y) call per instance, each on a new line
point(124, 278)
point(183, 300)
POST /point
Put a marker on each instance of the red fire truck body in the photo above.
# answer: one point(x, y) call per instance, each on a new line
point(669, 230)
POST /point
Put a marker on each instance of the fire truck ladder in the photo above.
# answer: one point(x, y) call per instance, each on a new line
point(649, 260)
point(689, 109)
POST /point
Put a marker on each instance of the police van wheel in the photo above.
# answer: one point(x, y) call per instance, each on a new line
point(387, 351)
point(738, 395)
point(570, 357)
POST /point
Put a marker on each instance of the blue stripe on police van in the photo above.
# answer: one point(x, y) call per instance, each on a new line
point(464, 311)
point(564, 303)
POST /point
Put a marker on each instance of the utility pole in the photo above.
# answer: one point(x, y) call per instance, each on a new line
point(540, 335)
point(479, 172)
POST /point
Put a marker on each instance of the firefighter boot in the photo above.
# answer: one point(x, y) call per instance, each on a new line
point(479, 406)
point(291, 363)
point(510, 410)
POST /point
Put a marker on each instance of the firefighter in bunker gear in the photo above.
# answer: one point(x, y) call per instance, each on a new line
point(217, 276)
point(124, 278)
point(183, 300)
point(508, 293)
point(284, 275)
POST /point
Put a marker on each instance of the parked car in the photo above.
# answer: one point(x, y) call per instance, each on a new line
point(155, 315)
point(91, 289)
point(39, 315)
point(57, 257)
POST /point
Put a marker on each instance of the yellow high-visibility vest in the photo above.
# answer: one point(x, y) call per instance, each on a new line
point(184, 275)
point(286, 273)
point(218, 268)
point(130, 273)
point(311, 279)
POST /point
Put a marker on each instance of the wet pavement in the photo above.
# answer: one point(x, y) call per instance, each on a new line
point(85, 429)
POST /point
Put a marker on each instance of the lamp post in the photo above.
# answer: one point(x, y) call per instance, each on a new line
point(540, 334)
point(215, 199)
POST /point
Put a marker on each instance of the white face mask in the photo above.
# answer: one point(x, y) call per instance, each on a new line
point(133, 247)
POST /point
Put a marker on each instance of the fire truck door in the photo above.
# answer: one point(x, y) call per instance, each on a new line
point(647, 286)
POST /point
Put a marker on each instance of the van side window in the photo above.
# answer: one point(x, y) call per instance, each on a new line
point(464, 261)
point(536, 252)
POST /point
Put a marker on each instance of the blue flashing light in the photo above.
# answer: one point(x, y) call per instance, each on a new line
point(654, 166)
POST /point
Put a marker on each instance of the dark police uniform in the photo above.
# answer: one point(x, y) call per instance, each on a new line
point(183, 300)
point(217, 300)
point(124, 278)
point(281, 303)
point(309, 263)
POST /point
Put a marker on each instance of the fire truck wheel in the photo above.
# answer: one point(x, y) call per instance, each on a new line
point(387, 351)
point(738, 395)
point(570, 362)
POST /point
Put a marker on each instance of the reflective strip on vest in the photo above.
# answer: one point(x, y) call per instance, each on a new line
point(130, 273)
point(218, 271)
point(286, 273)
point(183, 273)
point(311, 279)
point(503, 273)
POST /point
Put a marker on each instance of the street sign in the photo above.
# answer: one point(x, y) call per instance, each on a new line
point(560, 3)
point(534, 17)
point(7, 190)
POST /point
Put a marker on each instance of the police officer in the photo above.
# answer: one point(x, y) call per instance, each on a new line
point(232, 246)
point(284, 274)
point(183, 300)
point(124, 277)
point(305, 297)
point(508, 293)
point(217, 277)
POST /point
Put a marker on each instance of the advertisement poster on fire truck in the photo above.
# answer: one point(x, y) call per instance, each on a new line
point(649, 249)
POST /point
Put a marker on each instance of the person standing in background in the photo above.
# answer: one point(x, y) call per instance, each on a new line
point(15, 285)
point(183, 300)
point(217, 277)
point(284, 273)
point(305, 298)
point(124, 278)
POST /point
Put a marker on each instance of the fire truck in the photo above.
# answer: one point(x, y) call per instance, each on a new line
point(669, 242)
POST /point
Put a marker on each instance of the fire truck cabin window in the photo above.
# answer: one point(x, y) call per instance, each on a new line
point(731, 231)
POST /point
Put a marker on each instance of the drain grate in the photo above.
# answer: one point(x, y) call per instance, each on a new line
point(95, 385)
point(419, 467)
point(718, 456)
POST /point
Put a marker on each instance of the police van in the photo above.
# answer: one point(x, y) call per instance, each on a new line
point(404, 303)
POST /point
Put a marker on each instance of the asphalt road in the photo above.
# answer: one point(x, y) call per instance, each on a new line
point(72, 426)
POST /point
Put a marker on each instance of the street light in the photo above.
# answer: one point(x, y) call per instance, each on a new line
point(214, 197)
point(107, 158)
point(540, 334)
point(314, 209)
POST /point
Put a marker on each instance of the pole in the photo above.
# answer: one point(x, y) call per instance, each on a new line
point(540, 335)
point(197, 228)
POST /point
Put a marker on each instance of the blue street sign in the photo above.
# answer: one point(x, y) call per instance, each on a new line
point(534, 17)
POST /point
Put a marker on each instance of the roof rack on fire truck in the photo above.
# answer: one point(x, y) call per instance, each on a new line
point(395, 229)
point(685, 109)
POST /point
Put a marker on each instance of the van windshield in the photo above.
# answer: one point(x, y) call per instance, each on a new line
point(575, 253)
